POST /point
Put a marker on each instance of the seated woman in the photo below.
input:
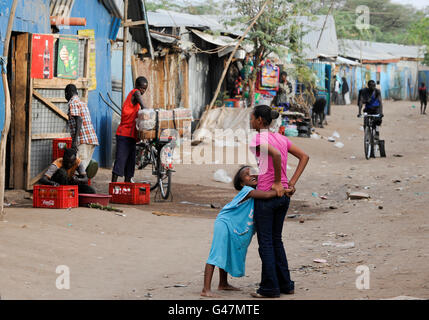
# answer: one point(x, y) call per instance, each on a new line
point(67, 170)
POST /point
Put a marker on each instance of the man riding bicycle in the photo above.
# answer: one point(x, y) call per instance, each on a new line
point(371, 97)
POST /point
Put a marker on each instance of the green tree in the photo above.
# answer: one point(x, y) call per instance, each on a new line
point(273, 32)
point(418, 34)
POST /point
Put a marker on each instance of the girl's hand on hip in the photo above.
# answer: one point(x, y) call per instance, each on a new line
point(278, 188)
point(290, 191)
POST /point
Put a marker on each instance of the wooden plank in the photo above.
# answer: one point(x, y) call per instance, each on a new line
point(57, 100)
point(131, 23)
point(86, 71)
point(58, 83)
point(50, 136)
point(38, 177)
point(49, 104)
point(134, 68)
point(30, 124)
point(11, 152)
point(20, 112)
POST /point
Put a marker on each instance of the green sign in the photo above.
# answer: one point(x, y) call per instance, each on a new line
point(68, 58)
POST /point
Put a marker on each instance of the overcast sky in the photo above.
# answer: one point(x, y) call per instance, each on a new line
point(417, 3)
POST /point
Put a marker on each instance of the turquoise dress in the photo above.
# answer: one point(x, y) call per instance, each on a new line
point(233, 231)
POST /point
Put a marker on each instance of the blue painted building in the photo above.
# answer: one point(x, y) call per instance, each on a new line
point(33, 16)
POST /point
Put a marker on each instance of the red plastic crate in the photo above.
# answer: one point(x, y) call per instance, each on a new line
point(55, 197)
point(129, 193)
point(58, 146)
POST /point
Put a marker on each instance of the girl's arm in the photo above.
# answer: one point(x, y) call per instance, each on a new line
point(303, 160)
point(258, 194)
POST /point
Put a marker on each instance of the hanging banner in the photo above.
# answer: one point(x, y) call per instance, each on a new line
point(92, 57)
point(42, 57)
point(68, 58)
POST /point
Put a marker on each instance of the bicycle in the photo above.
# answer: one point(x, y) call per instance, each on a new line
point(159, 153)
point(372, 143)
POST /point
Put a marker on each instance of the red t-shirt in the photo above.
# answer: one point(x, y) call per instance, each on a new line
point(127, 127)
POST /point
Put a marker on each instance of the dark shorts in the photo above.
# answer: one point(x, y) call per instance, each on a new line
point(125, 162)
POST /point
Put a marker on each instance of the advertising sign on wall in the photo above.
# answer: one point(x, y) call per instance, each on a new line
point(42, 58)
point(68, 58)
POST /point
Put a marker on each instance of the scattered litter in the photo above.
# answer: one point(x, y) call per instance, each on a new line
point(366, 188)
point(353, 157)
point(121, 214)
point(336, 134)
point(361, 128)
point(221, 176)
point(69, 225)
point(339, 145)
point(380, 207)
point(148, 295)
point(320, 260)
point(404, 298)
point(196, 204)
point(215, 205)
point(291, 216)
point(301, 220)
point(315, 136)
point(323, 197)
point(315, 194)
point(331, 139)
point(398, 155)
point(346, 245)
point(106, 208)
point(24, 226)
point(396, 181)
point(158, 213)
point(177, 286)
point(357, 195)
point(333, 207)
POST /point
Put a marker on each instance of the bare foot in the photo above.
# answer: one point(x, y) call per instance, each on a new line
point(228, 288)
point(209, 294)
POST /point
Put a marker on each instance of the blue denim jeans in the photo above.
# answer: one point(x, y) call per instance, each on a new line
point(269, 218)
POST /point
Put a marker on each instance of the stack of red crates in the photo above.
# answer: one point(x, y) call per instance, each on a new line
point(61, 197)
point(129, 193)
point(58, 146)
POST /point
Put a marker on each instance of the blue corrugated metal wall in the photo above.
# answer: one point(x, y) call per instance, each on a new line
point(31, 16)
point(99, 19)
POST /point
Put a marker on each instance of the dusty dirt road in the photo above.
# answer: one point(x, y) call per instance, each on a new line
point(146, 256)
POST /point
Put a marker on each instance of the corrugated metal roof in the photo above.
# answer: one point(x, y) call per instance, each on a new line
point(61, 8)
point(376, 51)
point(165, 18)
point(312, 27)
point(115, 7)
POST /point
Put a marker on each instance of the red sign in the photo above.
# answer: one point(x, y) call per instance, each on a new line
point(42, 61)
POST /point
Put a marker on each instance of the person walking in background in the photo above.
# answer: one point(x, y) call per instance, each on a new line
point(345, 91)
point(423, 96)
point(271, 150)
point(126, 134)
point(84, 138)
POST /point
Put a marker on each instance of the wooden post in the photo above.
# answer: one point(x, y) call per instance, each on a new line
point(5, 130)
point(225, 70)
point(124, 50)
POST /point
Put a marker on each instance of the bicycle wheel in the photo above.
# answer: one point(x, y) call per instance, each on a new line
point(368, 142)
point(164, 182)
point(155, 168)
point(382, 150)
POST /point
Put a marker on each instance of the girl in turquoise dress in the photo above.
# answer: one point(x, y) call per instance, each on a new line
point(233, 231)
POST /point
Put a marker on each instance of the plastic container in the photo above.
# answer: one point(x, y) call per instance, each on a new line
point(58, 146)
point(55, 197)
point(129, 193)
point(87, 198)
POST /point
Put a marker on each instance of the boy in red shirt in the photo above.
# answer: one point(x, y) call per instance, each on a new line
point(126, 134)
